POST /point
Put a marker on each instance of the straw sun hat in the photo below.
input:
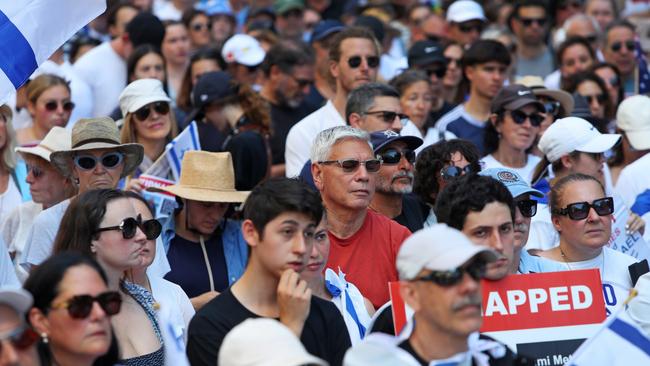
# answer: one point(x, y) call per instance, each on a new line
point(97, 133)
point(206, 177)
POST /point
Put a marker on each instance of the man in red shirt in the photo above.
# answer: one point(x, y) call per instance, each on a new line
point(364, 243)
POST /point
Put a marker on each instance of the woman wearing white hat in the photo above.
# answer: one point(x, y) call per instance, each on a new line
point(205, 250)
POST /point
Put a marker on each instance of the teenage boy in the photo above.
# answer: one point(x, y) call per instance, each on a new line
point(280, 217)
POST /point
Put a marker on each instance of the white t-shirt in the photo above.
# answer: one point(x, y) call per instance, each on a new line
point(175, 306)
point(7, 274)
point(526, 172)
point(302, 135)
point(16, 228)
point(613, 272)
point(9, 199)
point(41, 238)
point(105, 73)
point(634, 180)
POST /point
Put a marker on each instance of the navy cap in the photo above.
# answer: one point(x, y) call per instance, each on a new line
point(423, 53)
point(324, 28)
point(381, 139)
point(210, 87)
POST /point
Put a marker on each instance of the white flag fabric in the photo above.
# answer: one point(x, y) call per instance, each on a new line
point(619, 342)
point(31, 30)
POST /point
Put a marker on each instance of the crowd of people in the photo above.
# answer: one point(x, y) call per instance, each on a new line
point(344, 145)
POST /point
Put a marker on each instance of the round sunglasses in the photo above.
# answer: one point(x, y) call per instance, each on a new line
point(476, 269)
point(80, 306)
point(52, 106)
point(393, 156)
point(143, 113)
point(21, 338)
point(108, 161)
point(151, 228)
point(519, 117)
point(351, 165)
point(371, 61)
point(580, 210)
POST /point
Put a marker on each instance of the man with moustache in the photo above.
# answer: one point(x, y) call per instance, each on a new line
point(395, 179)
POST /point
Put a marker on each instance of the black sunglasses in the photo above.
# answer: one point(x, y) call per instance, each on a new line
point(253, 68)
point(466, 28)
point(143, 113)
point(128, 227)
point(393, 156)
point(351, 165)
point(439, 72)
point(22, 337)
point(528, 208)
point(617, 46)
point(580, 210)
point(454, 171)
point(52, 105)
point(601, 98)
point(552, 108)
point(450, 60)
point(389, 116)
point(36, 171)
point(200, 26)
point(527, 22)
point(355, 61)
point(109, 161)
point(80, 306)
point(520, 117)
point(302, 83)
point(476, 269)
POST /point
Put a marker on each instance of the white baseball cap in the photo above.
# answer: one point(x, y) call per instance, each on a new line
point(574, 134)
point(633, 117)
point(464, 10)
point(243, 49)
point(140, 93)
point(437, 248)
point(17, 298)
point(274, 345)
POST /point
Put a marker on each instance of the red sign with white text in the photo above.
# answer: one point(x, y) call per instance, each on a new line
point(541, 300)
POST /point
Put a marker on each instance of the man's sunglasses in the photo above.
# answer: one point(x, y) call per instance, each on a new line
point(466, 28)
point(21, 338)
point(355, 61)
point(393, 156)
point(452, 171)
point(36, 171)
point(109, 161)
point(52, 105)
point(580, 210)
point(351, 165)
point(128, 227)
point(617, 46)
point(476, 269)
point(389, 116)
point(143, 113)
point(528, 208)
point(80, 306)
point(520, 117)
point(527, 22)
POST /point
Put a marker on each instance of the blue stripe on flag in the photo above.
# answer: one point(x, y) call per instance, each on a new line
point(631, 334)
point(17, 59)
point(194, 134)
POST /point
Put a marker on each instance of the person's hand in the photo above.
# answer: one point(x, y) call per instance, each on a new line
point(294, 298)
point(135, 185)
point(204, 298)
point(634, 223)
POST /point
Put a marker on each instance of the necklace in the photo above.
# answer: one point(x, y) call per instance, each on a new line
point(601, 266)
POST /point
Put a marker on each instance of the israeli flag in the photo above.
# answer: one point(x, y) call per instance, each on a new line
point(619, 342)
point(31, 30)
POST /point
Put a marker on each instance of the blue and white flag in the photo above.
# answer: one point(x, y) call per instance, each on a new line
point(31, 30)
point(619, 342)
point(188, 140)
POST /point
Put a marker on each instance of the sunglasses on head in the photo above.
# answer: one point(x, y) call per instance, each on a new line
point(393, 156)
point(108, 161)
point(519, 117)
point(371, 61)
point(52, 106)
point(466, 28)
point(36, 171)
point(389, 116)
point(617, 46)
point(552, 107)
point(143, 113)
point(453, 171)
point(601, 98)
point(80, 306)
point(21, 338)
point(201, 26)
point(439, 72)
point(476, 269)
point(128, 227)
point(527, 22)
point(528, 208)
point(351, 165)
point(580, 210)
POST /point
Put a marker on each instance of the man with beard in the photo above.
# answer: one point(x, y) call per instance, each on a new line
point(289, 72)
point(395, 179)
point(529, 22)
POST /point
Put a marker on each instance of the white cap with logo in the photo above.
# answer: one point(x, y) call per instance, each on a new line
point(633, 117)
point(574, 134)
point(465, 10)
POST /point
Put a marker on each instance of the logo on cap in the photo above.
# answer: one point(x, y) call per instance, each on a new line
point(430, 49)
point(505, 176)
point(204, 97)
point(390, 133)
point(523, 92)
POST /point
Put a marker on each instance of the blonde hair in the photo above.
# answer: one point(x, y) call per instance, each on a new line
point(8, 161)
point(43, 82)
point(128, 132)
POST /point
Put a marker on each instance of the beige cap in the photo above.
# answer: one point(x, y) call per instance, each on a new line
point(633, 117)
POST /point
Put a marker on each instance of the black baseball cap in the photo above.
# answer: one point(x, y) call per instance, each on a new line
point(513, 97)
point(210, 87)
point(325, 28)
point(423, 53)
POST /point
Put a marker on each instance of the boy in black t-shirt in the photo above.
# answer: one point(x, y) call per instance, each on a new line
point(280, 218)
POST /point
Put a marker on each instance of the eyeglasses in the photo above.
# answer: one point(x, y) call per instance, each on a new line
point(128, 227)
point(371, 61)
point(351, 165)
point(466, 28)
point(36, 171)
point(520, 117)
point(389, 116)
point(80, 306)
point(108, 161)
point(143, 113)
point(528, 208)
point(454, 171)
point(302, 83)
point(617, 46)
point(201, 26)
point(552, 108)
point(475, 269)
point(580, 210)
point(22, 337)
point(52, 106)
point(600, 98)
point(527, 22)
point(393, 156)
point(439, 72)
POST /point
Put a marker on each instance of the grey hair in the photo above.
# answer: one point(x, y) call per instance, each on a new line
point(361, 99)
point(581, 16)
point(326, 139)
